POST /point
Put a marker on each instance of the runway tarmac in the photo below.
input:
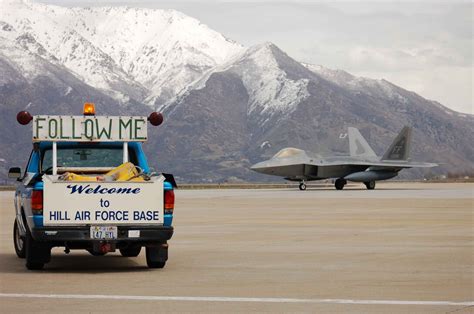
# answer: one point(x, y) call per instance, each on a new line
point(402, 248)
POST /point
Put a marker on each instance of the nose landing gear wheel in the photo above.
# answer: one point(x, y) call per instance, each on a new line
point(370, 185)
point(339, 184)
point(302, 186)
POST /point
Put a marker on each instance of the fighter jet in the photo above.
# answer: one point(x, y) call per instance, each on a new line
point(363, 165)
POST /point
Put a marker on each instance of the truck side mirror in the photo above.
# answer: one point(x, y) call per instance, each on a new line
point(14, 173)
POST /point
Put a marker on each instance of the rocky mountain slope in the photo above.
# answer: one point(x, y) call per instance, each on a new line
point(225, 106)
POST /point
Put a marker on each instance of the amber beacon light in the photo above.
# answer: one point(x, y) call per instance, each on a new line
point(89, 109)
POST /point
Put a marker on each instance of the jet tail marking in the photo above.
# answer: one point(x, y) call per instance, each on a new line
point(400, 147)
point(358, 146)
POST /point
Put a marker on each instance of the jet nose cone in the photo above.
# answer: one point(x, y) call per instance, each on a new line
point(257, 167)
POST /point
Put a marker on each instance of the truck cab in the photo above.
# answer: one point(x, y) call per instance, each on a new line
point(91, 211)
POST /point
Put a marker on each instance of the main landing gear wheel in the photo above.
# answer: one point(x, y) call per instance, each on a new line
point(370, 185)
point(339, 184)
point(302, 186)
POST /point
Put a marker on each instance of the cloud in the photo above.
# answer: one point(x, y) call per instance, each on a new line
point(405, 59)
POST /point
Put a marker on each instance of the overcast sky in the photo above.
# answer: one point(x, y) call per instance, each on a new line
point(423, 46)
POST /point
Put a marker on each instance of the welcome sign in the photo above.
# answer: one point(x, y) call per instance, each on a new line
point(112, 203)
point(89, 128)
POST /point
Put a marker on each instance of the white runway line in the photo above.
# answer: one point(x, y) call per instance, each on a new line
point(230, 299)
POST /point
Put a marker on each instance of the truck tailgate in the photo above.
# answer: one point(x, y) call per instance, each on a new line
point(110, 203)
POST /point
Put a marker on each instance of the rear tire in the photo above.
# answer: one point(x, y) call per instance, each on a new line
point(156, 256)
point(302, 186)
point(18, 241)
point(37, 254)
point(339, 184)
point(131, 251)
point(370, 185)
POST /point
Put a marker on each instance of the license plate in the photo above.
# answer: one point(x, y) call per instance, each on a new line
point(103, 232)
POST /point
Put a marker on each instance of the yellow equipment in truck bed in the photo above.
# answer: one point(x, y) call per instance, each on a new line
point(125, 172)
point(70, 176)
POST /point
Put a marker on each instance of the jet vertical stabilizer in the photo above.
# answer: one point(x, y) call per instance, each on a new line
point(400, 148)
point(358, 146)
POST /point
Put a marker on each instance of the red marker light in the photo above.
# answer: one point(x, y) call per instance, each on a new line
point(155, 118)
point(168, 200)
point(37, 202)
point(24, 117)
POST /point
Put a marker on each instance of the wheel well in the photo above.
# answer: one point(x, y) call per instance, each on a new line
point(23, 224)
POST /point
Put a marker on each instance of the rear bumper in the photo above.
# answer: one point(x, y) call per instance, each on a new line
point(82, 233)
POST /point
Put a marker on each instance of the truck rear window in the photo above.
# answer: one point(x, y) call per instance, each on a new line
point(84, 157)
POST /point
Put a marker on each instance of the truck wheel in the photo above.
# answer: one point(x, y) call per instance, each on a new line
point(131, 251)
point(37, 254)
point(156, 256)
point(18, 241)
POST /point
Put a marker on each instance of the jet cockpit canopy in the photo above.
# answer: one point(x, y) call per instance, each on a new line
point(289, 152)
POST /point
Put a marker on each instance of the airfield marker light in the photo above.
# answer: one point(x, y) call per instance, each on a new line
point(89, 109)
point(169, 202)
point(155, 118)
point(37, 202)
point(24, 117)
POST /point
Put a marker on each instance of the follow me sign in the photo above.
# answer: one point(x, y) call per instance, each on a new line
point(89, 128)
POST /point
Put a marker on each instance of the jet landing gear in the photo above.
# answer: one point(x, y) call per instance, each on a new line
point(339, 184)
point(370, 185)
point(302, 186)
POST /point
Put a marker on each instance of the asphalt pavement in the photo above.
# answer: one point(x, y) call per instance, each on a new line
point(402, 248)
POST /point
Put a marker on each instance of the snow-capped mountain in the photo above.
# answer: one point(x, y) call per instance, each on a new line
point(271, 90)
point(143, 54)
point(225, 106)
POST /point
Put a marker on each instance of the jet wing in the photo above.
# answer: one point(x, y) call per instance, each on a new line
point(386, 164)
point(408, 164)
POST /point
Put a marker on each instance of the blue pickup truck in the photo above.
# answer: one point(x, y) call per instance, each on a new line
point(91, 211)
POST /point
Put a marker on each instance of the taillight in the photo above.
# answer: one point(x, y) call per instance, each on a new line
point(169, 201)
point(37, 202)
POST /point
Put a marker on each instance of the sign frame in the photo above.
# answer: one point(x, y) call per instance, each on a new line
point(56, 128)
